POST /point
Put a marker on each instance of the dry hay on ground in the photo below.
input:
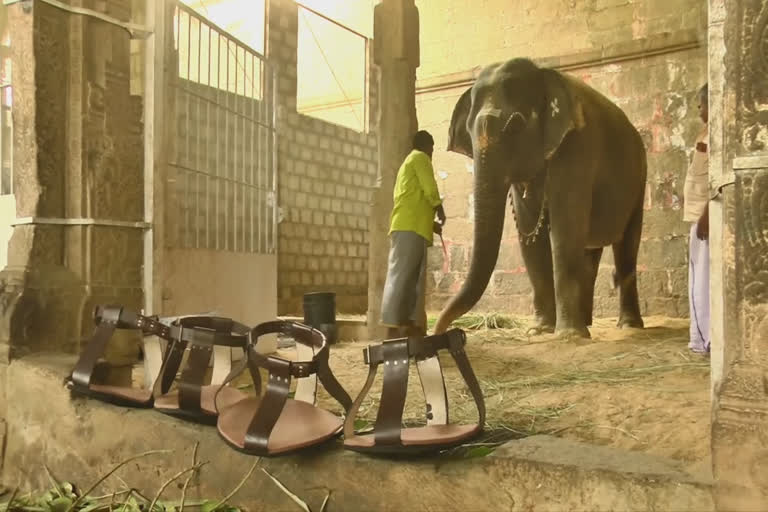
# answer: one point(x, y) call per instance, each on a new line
point(639, 390)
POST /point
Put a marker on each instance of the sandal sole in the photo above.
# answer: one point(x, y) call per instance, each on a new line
point(110, 399)
point(408, 450)
point(193, 417)
point(292, 432)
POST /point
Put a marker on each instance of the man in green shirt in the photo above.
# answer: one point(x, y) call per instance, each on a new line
point(412, 224)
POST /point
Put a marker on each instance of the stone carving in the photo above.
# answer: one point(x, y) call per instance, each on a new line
point(51, 106)
point(740, 413)
point(753, 116)
point(76, 123)
point(740, 428)
point(752, 204)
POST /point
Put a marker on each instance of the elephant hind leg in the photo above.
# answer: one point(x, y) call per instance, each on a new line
point(625, 276)
point(592, 262)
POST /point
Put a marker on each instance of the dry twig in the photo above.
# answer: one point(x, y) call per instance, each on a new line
point(189, 478)
point(239, 486)
point(173, 479)
point(123, 463)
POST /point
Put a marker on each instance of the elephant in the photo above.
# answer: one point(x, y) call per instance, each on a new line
point(575, 168)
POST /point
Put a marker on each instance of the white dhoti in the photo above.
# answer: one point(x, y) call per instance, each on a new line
point(698, 292)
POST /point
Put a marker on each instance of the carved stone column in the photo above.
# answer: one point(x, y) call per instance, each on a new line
point(77, 174)
point(739, 141)
point(396, 53)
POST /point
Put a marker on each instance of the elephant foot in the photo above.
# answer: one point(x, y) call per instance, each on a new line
point(573, 333)
point(540, 329)
point(630, 322)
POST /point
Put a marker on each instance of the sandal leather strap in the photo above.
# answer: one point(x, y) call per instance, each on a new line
point(456, 345)
point(330, 382)
point(388, 427)
point(301, 333)
point(201, 334)
point(389, 420)
point(279, 381)
point(128, 319)
point(263, 422)
point(107, 319)
point(418, 347)
point(349, 422)
point(309, 336)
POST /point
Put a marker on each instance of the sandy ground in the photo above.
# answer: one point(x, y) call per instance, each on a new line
point(639, 390)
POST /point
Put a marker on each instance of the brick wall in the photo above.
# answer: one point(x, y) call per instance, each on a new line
point(644, 55)
point(325, 175)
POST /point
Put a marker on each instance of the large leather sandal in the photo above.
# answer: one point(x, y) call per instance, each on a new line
point(204, 337)
point(275, 424)
point(82, 380)
point(388, 435)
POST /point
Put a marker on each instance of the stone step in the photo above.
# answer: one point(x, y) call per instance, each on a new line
point(83, 439)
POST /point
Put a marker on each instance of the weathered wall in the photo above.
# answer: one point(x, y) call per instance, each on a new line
point(75, 124)
point(464, 35)
point(325, 175)
point(739, 270)
point(647, 56)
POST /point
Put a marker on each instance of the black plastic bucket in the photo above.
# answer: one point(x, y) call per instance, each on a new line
point(320, 313)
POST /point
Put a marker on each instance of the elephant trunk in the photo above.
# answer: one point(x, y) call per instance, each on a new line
point(490, 203)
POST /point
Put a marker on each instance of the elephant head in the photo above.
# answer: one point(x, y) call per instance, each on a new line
point(511, 122)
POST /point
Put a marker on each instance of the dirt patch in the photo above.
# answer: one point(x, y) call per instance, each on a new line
point(639, 390)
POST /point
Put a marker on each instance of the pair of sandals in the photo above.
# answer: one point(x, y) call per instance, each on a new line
point(272, 422)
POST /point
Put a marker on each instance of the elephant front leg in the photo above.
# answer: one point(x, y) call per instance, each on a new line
point(568, 234)
point(537, 255)
point(592, 262)
point(538, 262)
point(569, 281)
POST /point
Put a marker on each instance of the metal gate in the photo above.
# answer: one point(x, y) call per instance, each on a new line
point(223, 156)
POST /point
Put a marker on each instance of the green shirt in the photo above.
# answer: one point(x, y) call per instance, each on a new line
point(415, 196)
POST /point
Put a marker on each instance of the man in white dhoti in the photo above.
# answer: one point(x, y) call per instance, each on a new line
point(696, 211)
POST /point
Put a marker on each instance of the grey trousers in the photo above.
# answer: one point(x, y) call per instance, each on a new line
point(403, 300)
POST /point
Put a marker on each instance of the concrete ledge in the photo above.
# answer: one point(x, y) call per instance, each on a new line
point(349, 329)
point(84, 439)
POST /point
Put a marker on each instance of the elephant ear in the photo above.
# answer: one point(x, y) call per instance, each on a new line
point(459, 140)
point(562, 112)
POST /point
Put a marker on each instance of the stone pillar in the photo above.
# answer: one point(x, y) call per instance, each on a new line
point(739, 157)
point(77, 174)
point(396, 53)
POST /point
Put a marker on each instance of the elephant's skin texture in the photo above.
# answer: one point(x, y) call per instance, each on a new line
point(576, 169)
